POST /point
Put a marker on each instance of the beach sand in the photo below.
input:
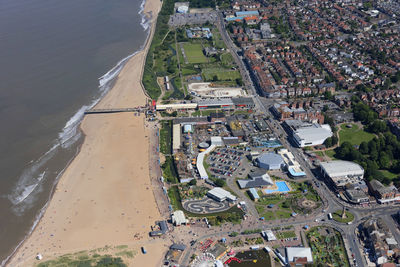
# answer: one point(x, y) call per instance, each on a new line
point(105, 196)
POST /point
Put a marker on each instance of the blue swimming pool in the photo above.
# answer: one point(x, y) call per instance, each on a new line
point(282, 188)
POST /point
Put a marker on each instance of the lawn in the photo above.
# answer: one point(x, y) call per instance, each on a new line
point(268, 215)
point(222, 74)
point(330, 153)
point(389, 174)
point(337, 216)
point(354, 135)
point(227, 59)
point(194, 53)
point(281, 214)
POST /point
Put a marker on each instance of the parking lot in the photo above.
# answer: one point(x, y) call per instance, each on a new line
point(225, 162)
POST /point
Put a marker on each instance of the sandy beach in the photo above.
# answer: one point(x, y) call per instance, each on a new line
point(104, 199)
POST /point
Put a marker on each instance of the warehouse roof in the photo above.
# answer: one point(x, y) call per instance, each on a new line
point(259, 179)
point(338, 168)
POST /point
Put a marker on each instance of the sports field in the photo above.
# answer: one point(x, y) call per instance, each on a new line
point(194, 53)
point(222, 74)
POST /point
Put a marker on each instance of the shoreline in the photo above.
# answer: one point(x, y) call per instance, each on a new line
point(109, 99)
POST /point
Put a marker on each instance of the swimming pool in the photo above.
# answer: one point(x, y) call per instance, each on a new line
point(282, 188)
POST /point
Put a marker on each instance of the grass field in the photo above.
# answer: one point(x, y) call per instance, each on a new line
point(337, 216)
point(194, 53)
point(354, 135)
point(330, 153)
point(222, 74)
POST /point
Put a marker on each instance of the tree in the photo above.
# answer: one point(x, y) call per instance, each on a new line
point(377, 126)
point(215, 78)
point(220, 182)
point(193, 182)
point(328, 142)
point(363, 148)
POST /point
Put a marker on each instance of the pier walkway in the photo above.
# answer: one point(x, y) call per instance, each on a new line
point(116, 110)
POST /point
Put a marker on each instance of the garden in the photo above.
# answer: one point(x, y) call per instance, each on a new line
point(327, 247)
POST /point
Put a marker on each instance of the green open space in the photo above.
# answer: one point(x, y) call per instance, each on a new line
point(327, 247)
point(213, 74)
point(194, 53)
point(281, 206)
point(166, 137)
point(285, 234)
point(337, 216)
point(355, 135)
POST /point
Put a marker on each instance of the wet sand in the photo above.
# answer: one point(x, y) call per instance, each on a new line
point(105, 197)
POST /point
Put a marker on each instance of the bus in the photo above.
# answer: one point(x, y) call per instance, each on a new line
point(330, 216)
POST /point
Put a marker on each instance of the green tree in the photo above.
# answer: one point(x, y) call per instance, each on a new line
point(363, 148)
point(220, 182)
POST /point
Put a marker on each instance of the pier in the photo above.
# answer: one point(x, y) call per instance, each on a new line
point(116, 110)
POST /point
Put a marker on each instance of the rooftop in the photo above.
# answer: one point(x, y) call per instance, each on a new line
point(338, 168)
point(293, 253)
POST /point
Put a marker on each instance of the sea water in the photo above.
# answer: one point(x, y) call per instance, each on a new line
point(57, 59)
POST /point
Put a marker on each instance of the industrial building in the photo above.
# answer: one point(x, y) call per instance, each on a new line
point(307, 134)
point(270, 161)
point(256, 179)
point(178, 218)
point(341, 173)
point(220, 195)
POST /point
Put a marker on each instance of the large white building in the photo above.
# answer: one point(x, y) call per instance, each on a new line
point(298, 255)
point(221, 194)
point(342, 173)
point(270, 161)
point(178, 218)
point(307, 134)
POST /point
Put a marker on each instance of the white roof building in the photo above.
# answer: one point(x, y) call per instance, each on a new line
point(178, 218)
point(295, 253)
point(342, 172)
point(269, 235)
point(312, 136)
point(220, 194)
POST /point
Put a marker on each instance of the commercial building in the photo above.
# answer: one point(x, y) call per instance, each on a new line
point(307, 134)
point(176, 137)
point(243, 102)
point(178, 218)
point(163, 228)
point(298, 256)
point(253, 194)
point(270, 161)
point(225, 103)
point(182, 7)
point(179, 106)
point(342, 173)
point(356, 196)
point(268, 235)
point(293, 167)
point(256, 179)
point(384, 194)
point(220, 195)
